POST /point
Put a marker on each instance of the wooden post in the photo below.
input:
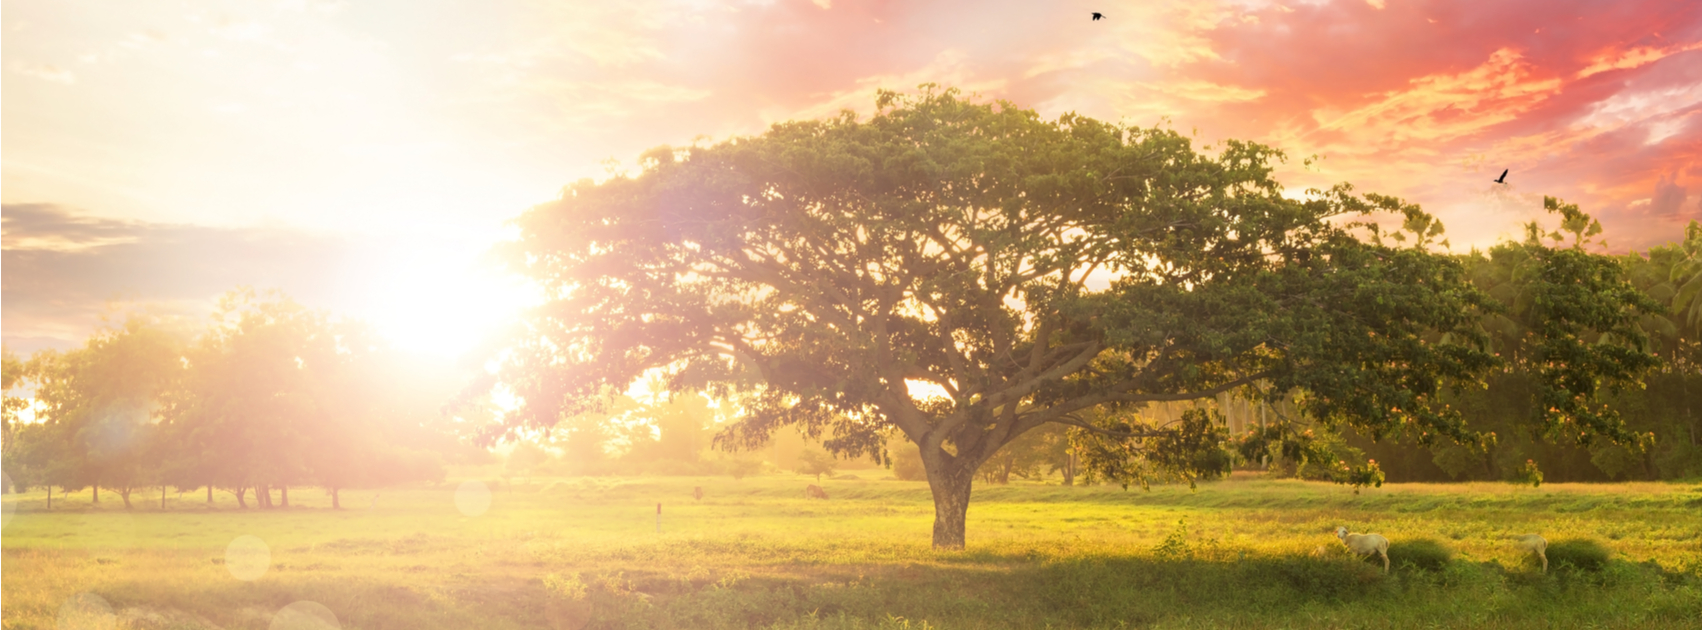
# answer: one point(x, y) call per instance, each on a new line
point(162, 498)
point(50, 496)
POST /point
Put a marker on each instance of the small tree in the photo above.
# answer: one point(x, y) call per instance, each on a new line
point(815, 462)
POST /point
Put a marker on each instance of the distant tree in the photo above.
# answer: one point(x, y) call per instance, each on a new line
point(525, 459)
point(99, 404)
point(741, 467)
point(376, 427)
point(1039, 452)
point(253, 406)
point(906, 461)
point(820, 268)
point(815, 462)
point(12, 372)
point(1685, 277)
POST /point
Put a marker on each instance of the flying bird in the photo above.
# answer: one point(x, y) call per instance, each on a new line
point(1502, 179)
point(1096, 16)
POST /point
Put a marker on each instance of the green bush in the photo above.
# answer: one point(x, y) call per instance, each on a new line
point(1579, 553)
point(1423, 553)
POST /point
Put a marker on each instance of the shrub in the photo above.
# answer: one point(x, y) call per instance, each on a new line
point(1528, 474)
point(1579, 553)
point(1423, 553)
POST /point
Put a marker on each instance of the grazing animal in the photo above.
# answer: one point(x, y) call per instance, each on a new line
point(814, 492)
point(697, 493)
point(1366, 544)
point(1532, 543)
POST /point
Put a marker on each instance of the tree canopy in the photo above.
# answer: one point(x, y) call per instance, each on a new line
point(1037, 272)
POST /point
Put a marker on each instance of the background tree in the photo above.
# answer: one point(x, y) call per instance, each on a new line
point(254, 404)
point(818, 269)
point(12, 377)
point(98, 404)
point(524, 460)
point(377, 407)
point(816, 462)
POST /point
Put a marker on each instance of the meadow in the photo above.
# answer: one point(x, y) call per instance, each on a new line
point(586, 553)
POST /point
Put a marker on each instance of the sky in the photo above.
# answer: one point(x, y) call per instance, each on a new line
point(363, 156)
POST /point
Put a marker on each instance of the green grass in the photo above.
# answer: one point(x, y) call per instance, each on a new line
point(1425, 554)
point(755, 554)
point(1579, 553)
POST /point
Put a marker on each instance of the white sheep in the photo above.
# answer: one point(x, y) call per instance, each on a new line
point(1533, 543)
point(1366, 544)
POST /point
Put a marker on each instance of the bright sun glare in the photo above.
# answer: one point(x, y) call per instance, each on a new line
point(442, 303)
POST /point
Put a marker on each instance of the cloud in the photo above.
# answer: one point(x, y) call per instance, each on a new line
point(1668, 197)
point(61, 269)
point(45, 72)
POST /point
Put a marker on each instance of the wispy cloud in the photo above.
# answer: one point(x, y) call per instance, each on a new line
point(61, 268)
point(45, 72)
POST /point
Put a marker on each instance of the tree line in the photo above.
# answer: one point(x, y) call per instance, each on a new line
point(269, 396)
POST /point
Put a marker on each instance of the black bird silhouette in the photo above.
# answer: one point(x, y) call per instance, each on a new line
point(1502, 179)
point(1096, 16)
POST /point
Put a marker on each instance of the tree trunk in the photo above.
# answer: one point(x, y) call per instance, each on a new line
point(162, 498)
point(263, 496)
point(284, 496)
point(335, 504)
point(97, 492)
point(50, 496)
point(1070, 470)
point(124, 493)
point(240, 502)
point(209, 494)
point(950, 483)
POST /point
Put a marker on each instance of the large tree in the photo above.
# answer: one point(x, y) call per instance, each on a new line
point(1034, 271)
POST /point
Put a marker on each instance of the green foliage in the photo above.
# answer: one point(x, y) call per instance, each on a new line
point(568, 587)
point(1579, 553)
point(1425, 554)
point(98, 407)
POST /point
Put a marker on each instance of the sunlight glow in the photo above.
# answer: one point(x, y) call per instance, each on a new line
point(923, 390)
point(443, 303)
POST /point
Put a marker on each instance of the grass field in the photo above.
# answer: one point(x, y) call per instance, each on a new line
point(585, 552)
